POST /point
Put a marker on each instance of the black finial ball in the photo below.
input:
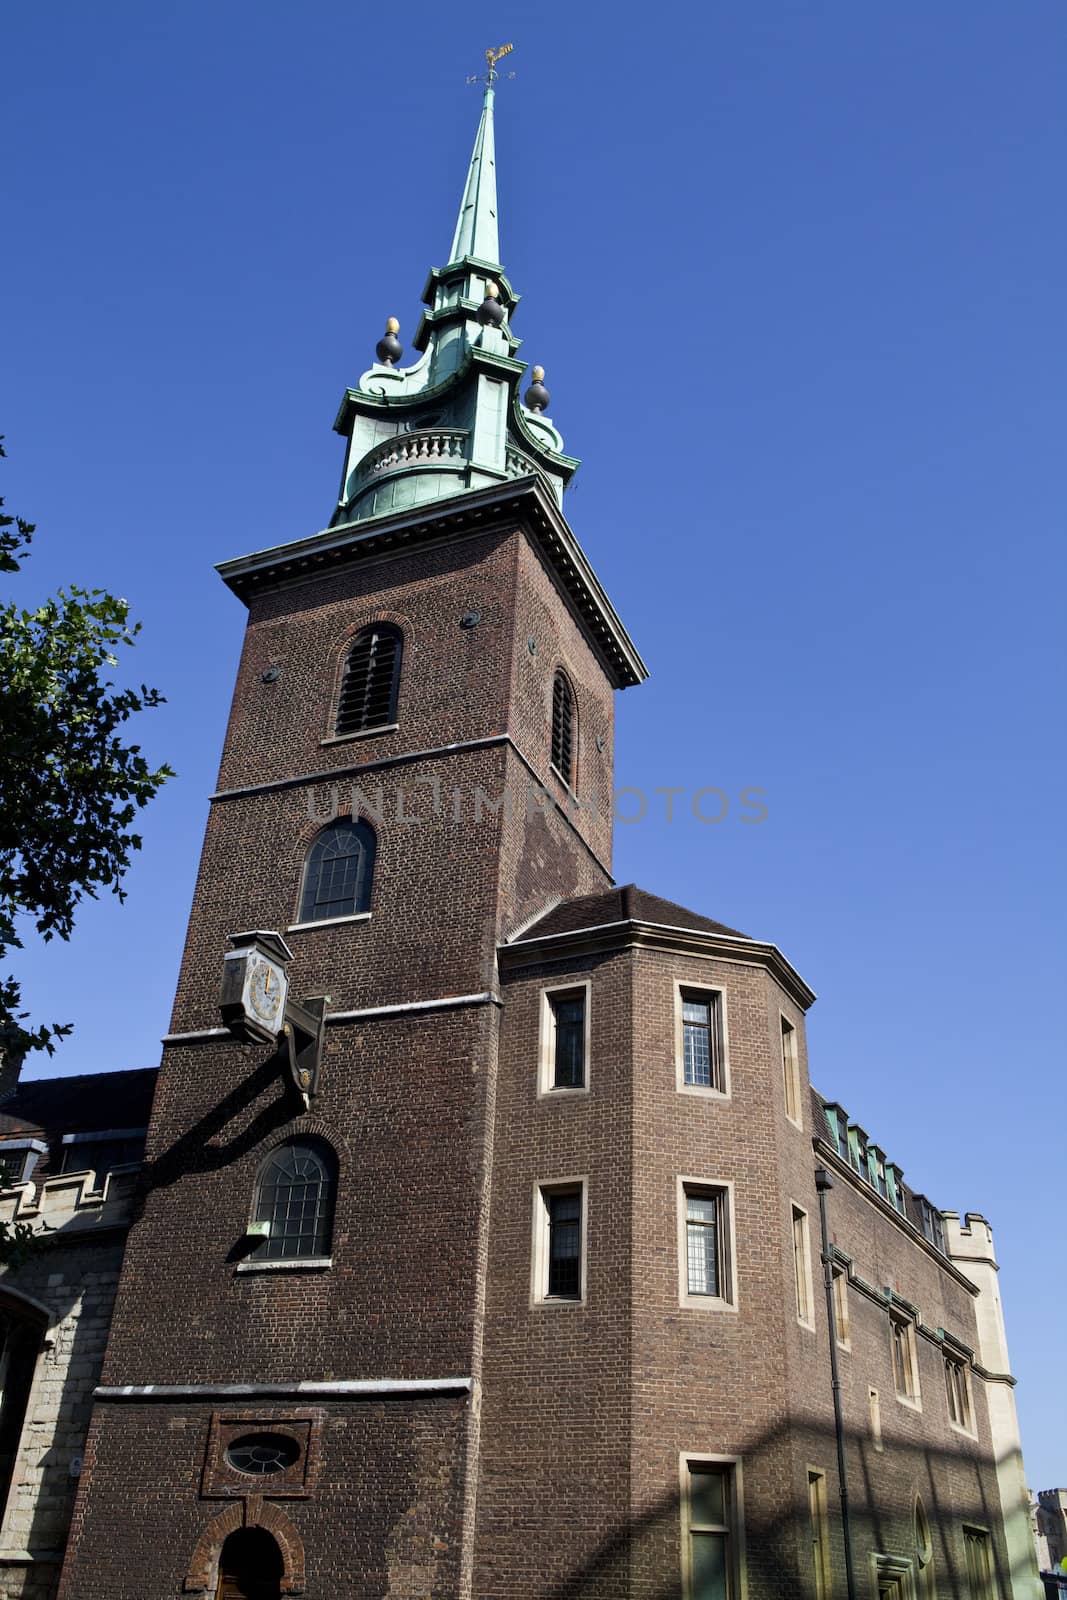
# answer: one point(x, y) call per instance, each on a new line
point(389, 349)
point(491, 311)
point(537, 396)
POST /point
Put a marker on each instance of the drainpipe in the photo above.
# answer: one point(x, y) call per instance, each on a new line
point(823, 1183)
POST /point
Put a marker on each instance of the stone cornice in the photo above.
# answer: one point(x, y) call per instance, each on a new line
point(337, 775)
point(632, 931)
point(527, 500)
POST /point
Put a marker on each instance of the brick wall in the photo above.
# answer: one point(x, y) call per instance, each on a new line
point(588, 1408)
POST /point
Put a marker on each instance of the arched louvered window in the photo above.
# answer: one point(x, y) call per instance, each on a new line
point(563, 729)
point(372, 676)
point(339, 872)
point(295, 1197)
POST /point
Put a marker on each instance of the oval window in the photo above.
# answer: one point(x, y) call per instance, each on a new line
point(262, 1453)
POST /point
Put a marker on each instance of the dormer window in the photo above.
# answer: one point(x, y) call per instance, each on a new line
point(102, 1151)
point(563, 739)
point(18, 1157)
point(931, 1223)
point(371, 680)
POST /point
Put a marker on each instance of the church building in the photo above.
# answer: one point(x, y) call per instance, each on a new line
point(490, 1241)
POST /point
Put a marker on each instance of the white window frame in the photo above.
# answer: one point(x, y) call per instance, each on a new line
point(803, 1282)
point(546, 1089)
point(727, 1245)
point(543, 1187)
point(791, 1083)
point(709, 1092)
point(735, 1528)
point(913, 1401)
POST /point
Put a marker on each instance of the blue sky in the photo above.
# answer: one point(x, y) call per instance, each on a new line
point(796, 274)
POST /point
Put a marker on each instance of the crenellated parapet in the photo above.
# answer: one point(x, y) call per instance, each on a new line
point(73, 1202)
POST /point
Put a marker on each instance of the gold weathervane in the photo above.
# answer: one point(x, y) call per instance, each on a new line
point(491, 58)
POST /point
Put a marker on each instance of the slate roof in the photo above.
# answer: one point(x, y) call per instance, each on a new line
point(87, 1103)
point(624, 904)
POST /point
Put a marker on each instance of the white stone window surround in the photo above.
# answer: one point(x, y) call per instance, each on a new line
point(540, 1240)
point(842, 1310)
point(738, 1577)
point(546, 1088)
point(789, 1039)
point(911, 1395)
point(800, 1250)
point(687, 1185)
point(899, 1568)
point(969, 1427)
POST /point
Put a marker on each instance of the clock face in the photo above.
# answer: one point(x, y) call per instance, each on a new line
point(264, 991)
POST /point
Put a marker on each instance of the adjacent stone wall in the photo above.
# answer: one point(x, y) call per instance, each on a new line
point(71, 1276)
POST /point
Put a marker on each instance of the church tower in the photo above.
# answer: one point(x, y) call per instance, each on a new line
point(418, 762)
point(491, 1241)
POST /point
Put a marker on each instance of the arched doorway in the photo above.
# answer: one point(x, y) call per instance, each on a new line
point(22, 1325)
point(250, 1567)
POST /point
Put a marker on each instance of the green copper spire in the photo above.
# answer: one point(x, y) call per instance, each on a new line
point(476, 226)
point(456, 418)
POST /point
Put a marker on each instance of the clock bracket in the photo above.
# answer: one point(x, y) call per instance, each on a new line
point(301, 1044)
point(298, 1034)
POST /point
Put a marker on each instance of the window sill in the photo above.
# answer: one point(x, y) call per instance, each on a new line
point(703, 1092)
point(907, 1400)
point(288, 1264)
point(809, 1327)
point(548, 1302)
point(957, 1427)
point(794, 1122)
point(550, 1092)
point(360, 733)
point(328, 922)
point(706, 1302)
point(557, 774)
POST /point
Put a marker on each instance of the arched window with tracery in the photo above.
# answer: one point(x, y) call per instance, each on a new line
point(339, 872)
point(564, 741)
point(924, 1553)
point(295, 1194)
point(371, 680)
point(250, 1567)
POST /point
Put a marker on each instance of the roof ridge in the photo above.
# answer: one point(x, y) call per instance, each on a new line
point(74, 1077)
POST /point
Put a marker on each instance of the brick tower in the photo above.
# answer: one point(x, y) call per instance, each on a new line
point(390, 799)
point(534, 1288)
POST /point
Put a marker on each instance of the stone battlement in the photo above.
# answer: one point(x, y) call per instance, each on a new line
point(72, 1201)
